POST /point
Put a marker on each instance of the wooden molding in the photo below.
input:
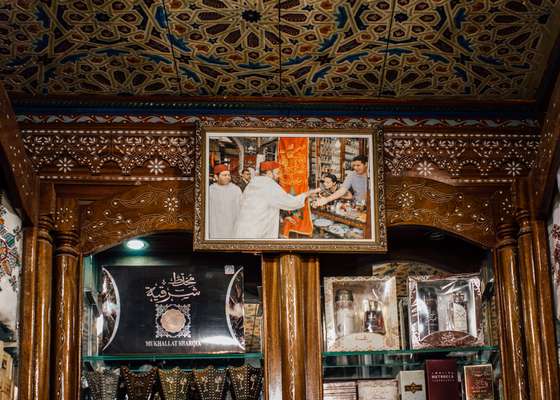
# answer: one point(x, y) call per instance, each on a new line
point(543, 175)
point(16, 168)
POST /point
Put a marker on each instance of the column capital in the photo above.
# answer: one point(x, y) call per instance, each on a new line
point(506, 233)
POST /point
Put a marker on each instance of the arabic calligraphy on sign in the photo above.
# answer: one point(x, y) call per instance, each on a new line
point(181, 287)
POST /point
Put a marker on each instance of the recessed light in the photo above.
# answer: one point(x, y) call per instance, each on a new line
point(136, 244)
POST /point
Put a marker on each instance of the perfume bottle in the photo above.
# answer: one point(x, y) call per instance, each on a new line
point(457, 317)
point(373, 317)
point(431, 300)
point(344, 312)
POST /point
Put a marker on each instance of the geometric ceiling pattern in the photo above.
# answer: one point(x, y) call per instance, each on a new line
point(485, 49)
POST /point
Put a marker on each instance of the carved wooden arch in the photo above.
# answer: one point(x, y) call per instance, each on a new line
point(169, 205)
point(464, 212)
point(148, 208)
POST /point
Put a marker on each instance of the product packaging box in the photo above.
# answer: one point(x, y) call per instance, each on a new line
point(361, 314)
point(194, 307)
point(343, 390)
point(442, 381)
point(412, 385)
point(479, 382)
point(378, 390)
point(445, 311)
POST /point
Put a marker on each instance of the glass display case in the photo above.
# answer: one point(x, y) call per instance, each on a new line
point(159, 319)
point(388, 372)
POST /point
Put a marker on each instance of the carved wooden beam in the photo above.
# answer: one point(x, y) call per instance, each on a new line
point(155, 151)
point(116, 152)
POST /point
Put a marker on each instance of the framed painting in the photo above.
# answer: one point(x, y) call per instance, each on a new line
point(289, 190)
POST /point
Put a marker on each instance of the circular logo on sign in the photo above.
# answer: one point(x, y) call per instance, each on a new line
point(173, 320)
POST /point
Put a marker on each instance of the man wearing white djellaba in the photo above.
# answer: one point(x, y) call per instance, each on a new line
point(223, 198)
point(262, 200)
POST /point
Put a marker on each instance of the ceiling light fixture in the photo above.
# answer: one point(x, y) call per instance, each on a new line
point(136, 244)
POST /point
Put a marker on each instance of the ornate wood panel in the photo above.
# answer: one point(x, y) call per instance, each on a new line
point(157, 151)
point(155, 206)
point(419, 201)
point(119, 152)
point(17, 170)
point(461, 156)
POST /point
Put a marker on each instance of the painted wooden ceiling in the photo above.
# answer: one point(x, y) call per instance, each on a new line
point(485, 49)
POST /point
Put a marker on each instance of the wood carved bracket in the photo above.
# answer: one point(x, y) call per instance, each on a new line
point(157, 206)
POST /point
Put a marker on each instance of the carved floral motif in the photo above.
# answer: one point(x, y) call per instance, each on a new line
point(161, 153)
point(80, 150)
point(460, 155)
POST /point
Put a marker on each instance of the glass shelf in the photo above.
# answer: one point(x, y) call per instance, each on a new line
point(387, 363)
point(187, 362)
point(407, 352)
point(163, 357)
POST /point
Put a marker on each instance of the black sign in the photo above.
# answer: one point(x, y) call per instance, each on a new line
point(172, 309)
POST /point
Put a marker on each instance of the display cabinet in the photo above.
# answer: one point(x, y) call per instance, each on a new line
point(416, 255)
point(159, 319)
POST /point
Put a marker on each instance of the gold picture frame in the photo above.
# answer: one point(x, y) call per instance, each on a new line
point(298, 160)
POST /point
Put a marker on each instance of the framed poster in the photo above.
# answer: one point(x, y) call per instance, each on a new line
point(290, 190)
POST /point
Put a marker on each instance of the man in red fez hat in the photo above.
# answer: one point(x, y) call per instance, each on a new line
point(223, 204)
point(262, 200)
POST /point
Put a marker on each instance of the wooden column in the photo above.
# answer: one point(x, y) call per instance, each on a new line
point(292, 306)
point(42, 326)
point(28, 314)
point(549, 373)
point(271, 337)
point(313, 332)
point(292, 327)
point(512, 319)
point(532, 331)
point(506, 355)
point(66, 308)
